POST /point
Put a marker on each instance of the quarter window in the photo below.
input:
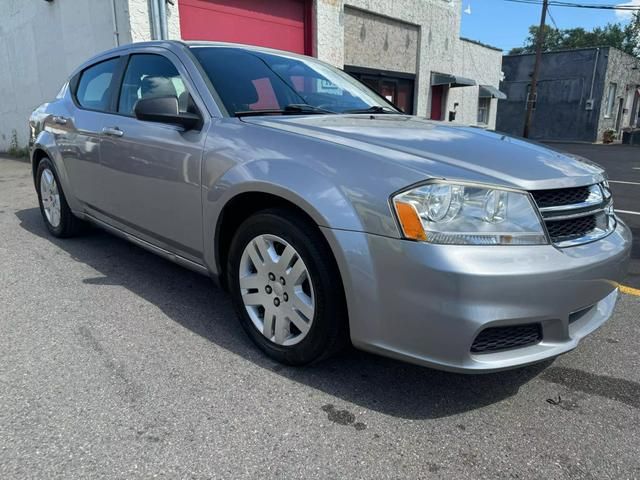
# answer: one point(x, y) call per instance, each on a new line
point(149, 76)
point(93, 90)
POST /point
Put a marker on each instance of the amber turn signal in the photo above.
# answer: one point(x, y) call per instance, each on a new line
point(410, 221)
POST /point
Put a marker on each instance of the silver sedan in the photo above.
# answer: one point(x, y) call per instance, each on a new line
point(329, 215)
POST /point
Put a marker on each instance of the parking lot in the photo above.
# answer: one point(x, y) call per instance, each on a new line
point(115, 363)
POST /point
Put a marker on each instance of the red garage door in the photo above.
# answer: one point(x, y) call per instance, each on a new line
point(281, 24)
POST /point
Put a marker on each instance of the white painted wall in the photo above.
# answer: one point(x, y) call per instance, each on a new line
point(41, 43)
point(140, 21)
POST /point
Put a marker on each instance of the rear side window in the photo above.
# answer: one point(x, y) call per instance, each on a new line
point(94, 85)
point(148, 76)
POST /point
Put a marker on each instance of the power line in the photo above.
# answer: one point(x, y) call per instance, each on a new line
point(559, 3)
point(553, 20)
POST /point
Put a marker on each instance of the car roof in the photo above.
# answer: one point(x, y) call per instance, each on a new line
point(172, 45)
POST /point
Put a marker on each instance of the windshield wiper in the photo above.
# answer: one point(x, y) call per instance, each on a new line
point(373, 109)
point(291, 109)
point(306, 108)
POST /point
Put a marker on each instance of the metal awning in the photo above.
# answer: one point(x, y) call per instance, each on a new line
point(451, 80)
point(487, 91)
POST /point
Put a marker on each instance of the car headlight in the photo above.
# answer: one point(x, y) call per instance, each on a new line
point(461, 214)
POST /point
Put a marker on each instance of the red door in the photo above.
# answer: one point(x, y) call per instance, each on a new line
point(437, 92)
point(283, 24)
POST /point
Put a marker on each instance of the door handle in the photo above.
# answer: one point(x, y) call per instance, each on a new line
point(112, 131)
point(59, 120)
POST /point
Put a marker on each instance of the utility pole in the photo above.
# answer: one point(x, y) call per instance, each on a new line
point(532, 97)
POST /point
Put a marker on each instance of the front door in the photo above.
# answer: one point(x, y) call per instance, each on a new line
point(437, 97)
point(635, 112)
point(619, 115)
point(152, 170)
point(388, 90)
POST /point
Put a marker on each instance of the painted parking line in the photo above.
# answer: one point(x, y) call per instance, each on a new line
point(630, 290)
point(625, 183)
point(628, 212)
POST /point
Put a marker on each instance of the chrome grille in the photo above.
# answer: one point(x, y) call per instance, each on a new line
point(560, 196)
point(572, 228)
point(578, 215)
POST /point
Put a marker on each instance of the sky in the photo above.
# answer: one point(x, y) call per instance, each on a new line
point(505, 24)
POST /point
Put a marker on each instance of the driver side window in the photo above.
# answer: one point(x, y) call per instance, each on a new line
point(149, 76)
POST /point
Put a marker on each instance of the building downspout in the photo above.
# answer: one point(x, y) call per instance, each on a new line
point(162, 17)
point(156, 32)
point(114, 18)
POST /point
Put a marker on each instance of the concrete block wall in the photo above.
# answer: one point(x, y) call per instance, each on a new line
point(436, 19)
point(440, 48)
point(620, 70)
point(378, 42)
point(482, 64)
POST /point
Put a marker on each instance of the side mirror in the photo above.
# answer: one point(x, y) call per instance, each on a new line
point(165, 110)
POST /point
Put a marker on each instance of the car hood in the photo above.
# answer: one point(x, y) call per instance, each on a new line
point(427, 144)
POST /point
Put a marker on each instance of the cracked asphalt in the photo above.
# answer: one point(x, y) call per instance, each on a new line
point(115, 363)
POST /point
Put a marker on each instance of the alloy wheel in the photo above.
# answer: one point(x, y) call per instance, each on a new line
point(50, 197)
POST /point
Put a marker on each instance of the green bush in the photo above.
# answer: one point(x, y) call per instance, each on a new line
point(15, 150)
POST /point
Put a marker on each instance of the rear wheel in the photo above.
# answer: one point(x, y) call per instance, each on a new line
point(56, 213)
point(283, 281)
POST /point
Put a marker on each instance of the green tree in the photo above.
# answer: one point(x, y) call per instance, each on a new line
point(625, 37)
point(632, 31)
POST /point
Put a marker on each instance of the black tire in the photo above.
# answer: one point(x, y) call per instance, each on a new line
point(328, 333)
point(69, 224)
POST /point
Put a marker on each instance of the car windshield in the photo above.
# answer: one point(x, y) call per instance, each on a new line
point(253, 82)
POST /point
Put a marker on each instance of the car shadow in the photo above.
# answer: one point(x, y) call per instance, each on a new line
point(372, 382)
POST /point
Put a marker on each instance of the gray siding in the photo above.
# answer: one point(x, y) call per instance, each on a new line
point(563, 90)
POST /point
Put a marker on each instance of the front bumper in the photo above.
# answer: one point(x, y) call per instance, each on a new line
point(426, 303)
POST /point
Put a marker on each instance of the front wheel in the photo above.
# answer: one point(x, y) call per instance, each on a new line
point(286, 288)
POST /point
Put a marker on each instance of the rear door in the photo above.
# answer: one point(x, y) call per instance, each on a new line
point(78, 133)
point(152, 170)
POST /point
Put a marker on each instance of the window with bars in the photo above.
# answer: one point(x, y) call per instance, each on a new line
point(611, 100)
point(484, 105)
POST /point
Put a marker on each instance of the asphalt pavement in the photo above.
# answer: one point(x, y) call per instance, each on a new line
point(115, 363)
